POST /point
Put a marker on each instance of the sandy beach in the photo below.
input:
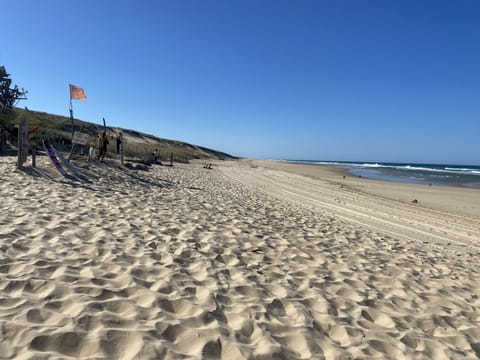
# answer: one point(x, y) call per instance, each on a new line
point(248, 260)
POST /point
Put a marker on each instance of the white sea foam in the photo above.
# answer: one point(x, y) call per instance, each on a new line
point(437, 169)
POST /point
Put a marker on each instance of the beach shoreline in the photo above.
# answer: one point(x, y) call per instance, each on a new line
point(246, 260)
point(467, 176)
point(460, 200)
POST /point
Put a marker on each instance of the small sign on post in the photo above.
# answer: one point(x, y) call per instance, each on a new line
point(80, 138)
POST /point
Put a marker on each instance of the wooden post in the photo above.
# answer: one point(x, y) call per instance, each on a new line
point(71, 152)
point(1, 139)
point(20, 147)
point(34, 156)
point(73, 132)
point(171, 159)
point(71, 118)
point(121, 152)
point(22, 143)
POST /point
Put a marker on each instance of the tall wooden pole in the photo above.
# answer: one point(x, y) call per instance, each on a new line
point(22, 143)
point(121, 152)
point(20, 147)
point(106, 137)
point(71, 118)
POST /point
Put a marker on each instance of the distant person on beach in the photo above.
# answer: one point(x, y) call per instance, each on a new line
point(102, 146)
point(105, 142)
point(92, 152)
point(119, 142)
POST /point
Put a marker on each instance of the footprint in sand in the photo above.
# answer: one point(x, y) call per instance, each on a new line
point(42, 316)
point(185, 340)
point(378, 318)
point(121, 344)
point(70, 344)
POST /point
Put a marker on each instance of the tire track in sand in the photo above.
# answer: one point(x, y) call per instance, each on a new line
point(387, 216)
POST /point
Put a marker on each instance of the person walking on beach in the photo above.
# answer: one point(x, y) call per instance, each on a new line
point(105, 142)
point(102, 145)
point(119, 142)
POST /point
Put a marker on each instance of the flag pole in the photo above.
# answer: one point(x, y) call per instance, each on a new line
point(71, 115)
point(71, 118)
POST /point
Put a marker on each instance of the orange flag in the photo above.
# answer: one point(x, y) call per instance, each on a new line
point(77, 93)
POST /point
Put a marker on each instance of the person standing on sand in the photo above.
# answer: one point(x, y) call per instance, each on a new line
point(119, 141)
point(102, 146)
point(92, 152)
point(105, 142)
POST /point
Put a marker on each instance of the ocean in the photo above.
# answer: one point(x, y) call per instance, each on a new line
point(425, 174)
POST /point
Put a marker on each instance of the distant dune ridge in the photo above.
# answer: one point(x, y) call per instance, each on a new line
point(59, 129)
point(248, 260)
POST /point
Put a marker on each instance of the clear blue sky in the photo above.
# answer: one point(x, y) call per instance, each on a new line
point(371, 80)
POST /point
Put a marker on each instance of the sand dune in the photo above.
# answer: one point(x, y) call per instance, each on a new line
point(238, 262)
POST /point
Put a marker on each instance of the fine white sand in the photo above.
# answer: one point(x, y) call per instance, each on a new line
point(249, 260)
